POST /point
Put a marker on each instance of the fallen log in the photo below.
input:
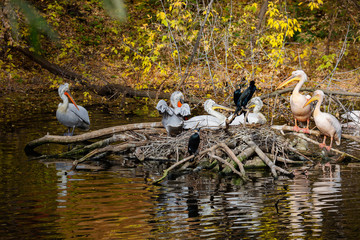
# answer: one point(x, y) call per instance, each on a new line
point(79, 150)
point(29, 148)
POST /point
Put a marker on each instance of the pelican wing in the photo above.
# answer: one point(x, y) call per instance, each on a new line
point(255, 118)
point(202, 121)
point(82, 114)
point(162, 107)
point(184, 110)
point(336, 125)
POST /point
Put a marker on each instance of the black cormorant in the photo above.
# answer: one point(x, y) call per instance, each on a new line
point(237, 94)
point(245, 98)
point(194, 142)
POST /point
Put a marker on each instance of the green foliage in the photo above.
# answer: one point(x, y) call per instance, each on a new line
point(327, 62)
point(153, 48)
point(37, 24)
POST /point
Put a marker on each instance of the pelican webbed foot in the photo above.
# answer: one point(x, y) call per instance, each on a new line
point(305, 130)
point(296, 128)
point(322, 145)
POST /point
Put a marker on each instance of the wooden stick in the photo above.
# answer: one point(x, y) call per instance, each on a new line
point(291, 129)
point(262, 155)
point(111, 148)
point(166, 171)
point(248, 152)
point(314, 132)
point(212, 155)
point(283, 171)
point(332, 149)
point(231, 154)
point(284, 160)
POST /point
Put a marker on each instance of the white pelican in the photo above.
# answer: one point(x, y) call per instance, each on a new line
point(301, 112)
point(70, 114)
point(354, 117)
point(214, 120)
point(173, 118)
point(256, 117)
point(325, 122)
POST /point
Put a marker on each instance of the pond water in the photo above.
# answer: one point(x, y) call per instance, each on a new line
point(44, 200)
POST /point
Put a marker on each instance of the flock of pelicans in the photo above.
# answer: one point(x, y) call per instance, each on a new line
point(174, 117)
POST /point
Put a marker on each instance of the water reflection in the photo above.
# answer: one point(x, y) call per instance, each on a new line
point(309, 197)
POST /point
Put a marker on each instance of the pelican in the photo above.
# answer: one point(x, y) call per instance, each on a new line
point(325, 122)
point(354, 116)
point(173, 118)
point(256, 117)
point(70, 114)
point(301, 112)
point(214, 120)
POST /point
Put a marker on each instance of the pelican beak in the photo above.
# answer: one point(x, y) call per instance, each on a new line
point(251, 106)
point(180, 103)
point(287, 81)
point(314, 98)
point(72, 100)
point(218, 106)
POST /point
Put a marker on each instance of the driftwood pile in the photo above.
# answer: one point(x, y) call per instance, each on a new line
point(227, 150)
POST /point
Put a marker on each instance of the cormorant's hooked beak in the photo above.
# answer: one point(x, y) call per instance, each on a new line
point(218, 106)
point(314, 98)
point(72, 100)
point(288, 80)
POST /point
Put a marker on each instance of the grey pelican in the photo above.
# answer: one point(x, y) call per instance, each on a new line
point(255, 117)
point(325, 122)
point(70, 114)
point(301, 112)
point(214, 120)
point(173, 118)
